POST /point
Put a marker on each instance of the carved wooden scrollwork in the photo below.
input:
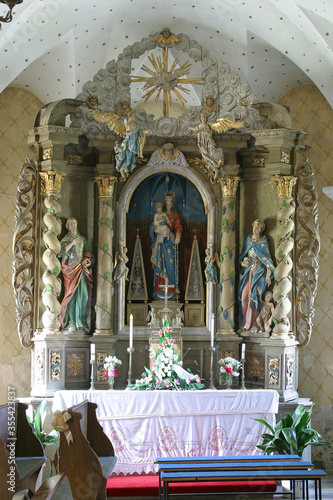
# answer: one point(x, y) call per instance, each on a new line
point(24, 251)
point(307, 251)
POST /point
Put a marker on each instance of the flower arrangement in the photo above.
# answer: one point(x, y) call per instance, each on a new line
point(110, 365)
point(167, 372)
point(229, 367)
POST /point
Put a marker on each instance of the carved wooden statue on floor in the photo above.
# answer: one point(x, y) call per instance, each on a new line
point(78, 280)
point(256, 271)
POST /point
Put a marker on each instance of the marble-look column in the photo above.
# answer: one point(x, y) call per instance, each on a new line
point(227, 295)
point(51, 182)
point(105, 287)
point(284, 247)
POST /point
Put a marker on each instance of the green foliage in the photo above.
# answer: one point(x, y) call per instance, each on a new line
point(53, 230)
point(110, 202)
point(220, 309)
point(106, 248)
point(108, 222)
point(231, 206)
point(291, 435)
point(232, 274)
point(48, 288)
point(50, 210)
point(55, 271)
point(285, 203)
point(99, 224)
point(105, 304)
point(37, 426)
point(225, 250)
point(107, 276)
point(232, 323)
point(281, 254)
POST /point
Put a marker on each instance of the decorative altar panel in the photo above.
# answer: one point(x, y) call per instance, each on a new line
point(144, 425)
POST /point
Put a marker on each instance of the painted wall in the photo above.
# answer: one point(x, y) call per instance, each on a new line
point(312, 114)
point(18, 109)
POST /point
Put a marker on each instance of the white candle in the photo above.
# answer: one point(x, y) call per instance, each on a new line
point(212, 330)
point(243, 351)
point(131, 332)
point(92, 351)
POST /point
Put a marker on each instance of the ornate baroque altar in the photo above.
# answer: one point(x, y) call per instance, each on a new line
point(223, 162)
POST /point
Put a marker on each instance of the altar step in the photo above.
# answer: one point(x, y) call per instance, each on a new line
point(146, 486)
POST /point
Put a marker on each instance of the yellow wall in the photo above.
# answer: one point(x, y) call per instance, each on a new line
point(18, 109)
point(312, 114)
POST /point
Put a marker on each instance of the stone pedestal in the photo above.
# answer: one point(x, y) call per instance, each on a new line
point(62, 361)
point(272, 364)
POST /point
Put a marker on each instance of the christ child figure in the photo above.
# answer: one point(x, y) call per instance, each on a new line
point(161, 223)
point(265, 317)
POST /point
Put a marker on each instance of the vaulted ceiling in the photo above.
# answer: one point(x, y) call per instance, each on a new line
point(52, 47)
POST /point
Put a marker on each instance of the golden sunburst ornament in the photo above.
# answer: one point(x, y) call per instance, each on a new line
point(166, 80)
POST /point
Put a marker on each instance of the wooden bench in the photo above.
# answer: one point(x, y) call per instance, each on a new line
point(88, 459)
point(251, 469)
point(21, 452)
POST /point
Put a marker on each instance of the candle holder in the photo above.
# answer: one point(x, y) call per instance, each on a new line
point(93, 371)
point(211, 380)
point(243, 375)
point(130, 351)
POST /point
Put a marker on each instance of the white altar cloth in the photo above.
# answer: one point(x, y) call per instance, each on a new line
point(145, 424)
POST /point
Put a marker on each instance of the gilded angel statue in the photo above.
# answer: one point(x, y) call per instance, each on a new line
point(212, 156)
point(131, 145)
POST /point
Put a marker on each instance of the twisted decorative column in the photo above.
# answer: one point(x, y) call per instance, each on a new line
point(105, 287)
point(285, 245)
point(226, 308)
point(51, 186)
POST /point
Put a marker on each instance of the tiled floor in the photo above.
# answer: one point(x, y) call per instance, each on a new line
point(327, 488)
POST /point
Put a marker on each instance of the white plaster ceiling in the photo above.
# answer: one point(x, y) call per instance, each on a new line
point(52, 47)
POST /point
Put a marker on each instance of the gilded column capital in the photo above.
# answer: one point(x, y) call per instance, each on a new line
point(51, 182)
point(105, 186)
point(284, 185)
point(229, 186)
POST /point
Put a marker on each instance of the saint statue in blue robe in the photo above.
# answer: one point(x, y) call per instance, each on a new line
point(256, 269)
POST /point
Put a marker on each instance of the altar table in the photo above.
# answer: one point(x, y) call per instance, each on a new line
point(143, 425)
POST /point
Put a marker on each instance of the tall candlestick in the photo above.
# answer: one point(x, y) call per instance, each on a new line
point(243, 351)
point(131, 332)
point(212, 330)
point(92, 351)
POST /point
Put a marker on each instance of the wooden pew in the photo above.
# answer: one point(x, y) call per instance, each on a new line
point(236, 469)
point(21, 452)
point(88, 459)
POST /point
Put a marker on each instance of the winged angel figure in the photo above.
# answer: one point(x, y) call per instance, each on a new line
point(212, 156)
point(132, 143)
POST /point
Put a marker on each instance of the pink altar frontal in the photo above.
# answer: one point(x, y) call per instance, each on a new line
point(145, 425)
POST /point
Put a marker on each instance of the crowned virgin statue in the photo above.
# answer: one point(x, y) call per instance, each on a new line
point(165, 250)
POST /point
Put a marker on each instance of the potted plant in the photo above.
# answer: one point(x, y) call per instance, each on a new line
point(291, 435)
point(37, 423)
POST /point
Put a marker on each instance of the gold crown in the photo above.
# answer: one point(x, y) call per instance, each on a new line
point(169, 195)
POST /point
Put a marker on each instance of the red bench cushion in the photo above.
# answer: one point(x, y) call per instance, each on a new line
point(147, 485)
